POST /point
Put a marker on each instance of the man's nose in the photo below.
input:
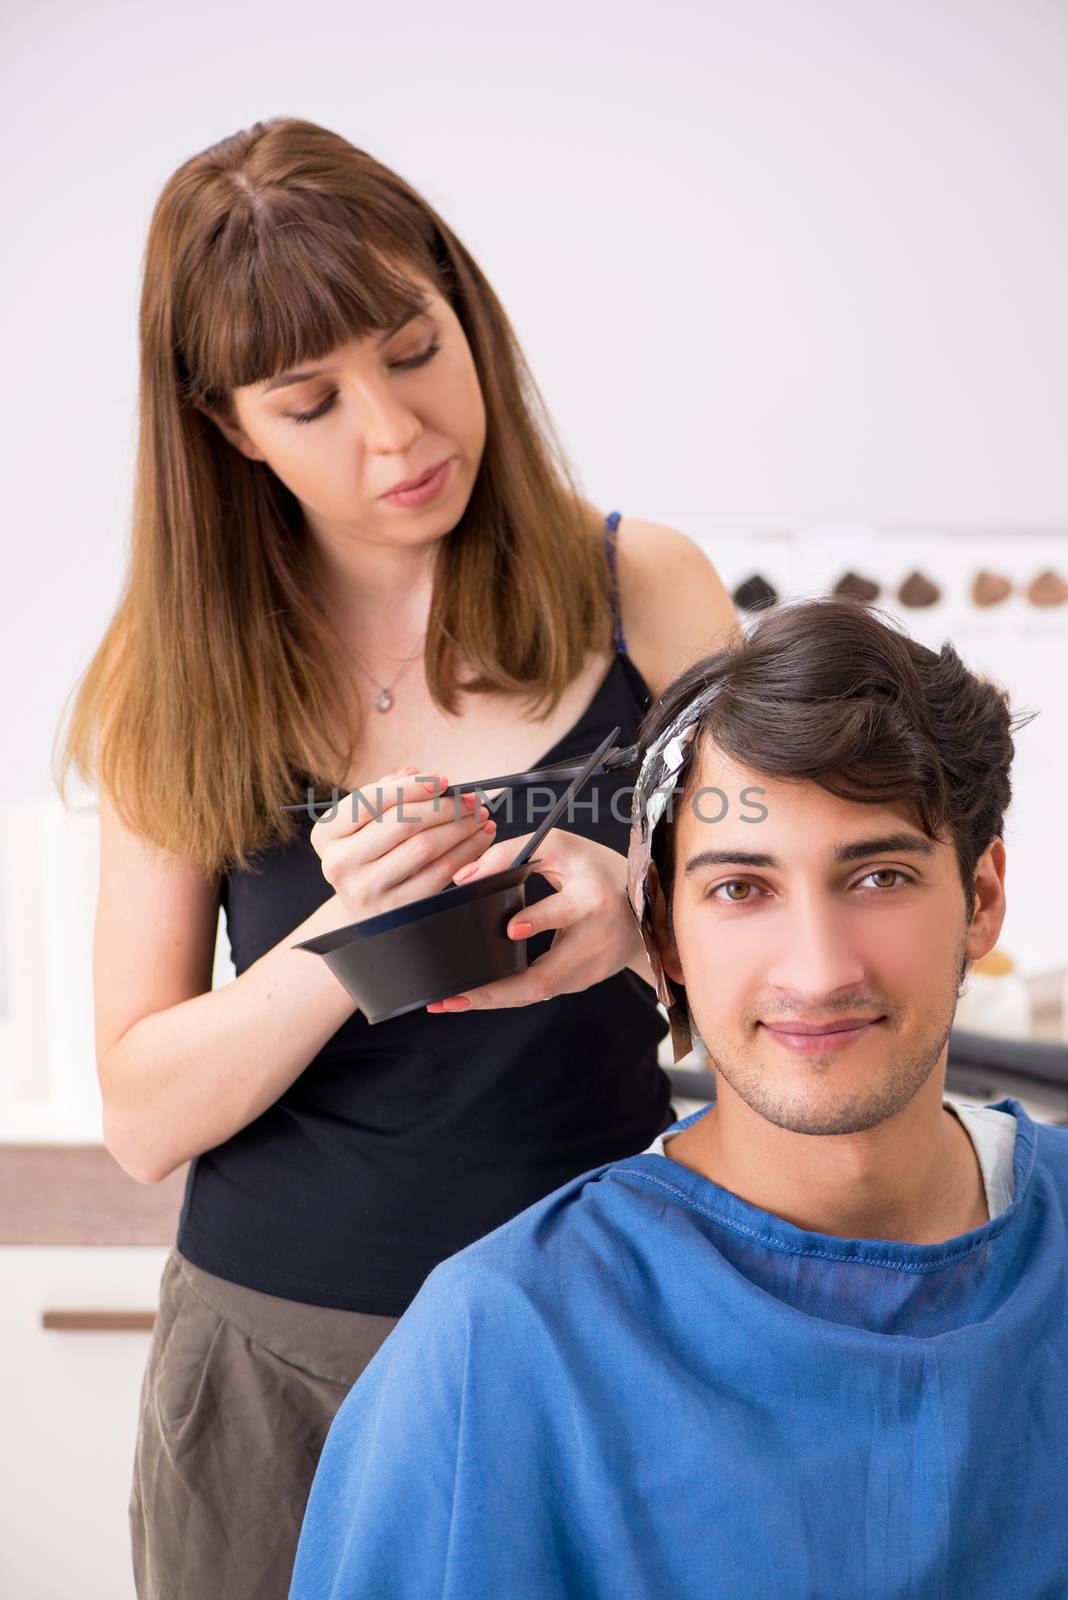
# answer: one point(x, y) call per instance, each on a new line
point(815, 954)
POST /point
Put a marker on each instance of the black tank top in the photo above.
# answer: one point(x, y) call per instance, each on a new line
point(401, 1143)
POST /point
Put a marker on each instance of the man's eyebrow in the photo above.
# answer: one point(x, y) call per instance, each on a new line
point(856, 850)
point(316, 372)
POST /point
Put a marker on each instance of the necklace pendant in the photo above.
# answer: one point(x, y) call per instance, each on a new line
point(383, 700)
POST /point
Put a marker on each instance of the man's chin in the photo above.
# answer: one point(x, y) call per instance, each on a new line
point(845, 1089)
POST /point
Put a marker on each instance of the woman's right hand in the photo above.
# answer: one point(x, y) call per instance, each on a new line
point(400, 842)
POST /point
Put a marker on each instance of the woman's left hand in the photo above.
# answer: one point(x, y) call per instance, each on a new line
point(597, 933)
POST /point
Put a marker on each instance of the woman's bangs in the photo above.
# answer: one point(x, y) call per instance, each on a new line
point(278, 291)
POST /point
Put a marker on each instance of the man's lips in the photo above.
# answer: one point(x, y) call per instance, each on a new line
point(809, 1037)
point(830, 1025)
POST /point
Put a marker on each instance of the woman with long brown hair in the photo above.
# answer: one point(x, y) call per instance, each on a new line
point(355, 547)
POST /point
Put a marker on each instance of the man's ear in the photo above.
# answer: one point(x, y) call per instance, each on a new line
point(989, 913)
point(665, 942)
point(232, 431)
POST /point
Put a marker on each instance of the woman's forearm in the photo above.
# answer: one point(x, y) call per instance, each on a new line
point(184, 1079)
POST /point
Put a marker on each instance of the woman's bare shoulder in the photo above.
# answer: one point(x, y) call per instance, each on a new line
point(675, 607)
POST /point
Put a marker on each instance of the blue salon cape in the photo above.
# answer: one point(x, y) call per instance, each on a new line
point(643, 1388)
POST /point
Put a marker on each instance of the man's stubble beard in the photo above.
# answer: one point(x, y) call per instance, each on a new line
point(904, 1077)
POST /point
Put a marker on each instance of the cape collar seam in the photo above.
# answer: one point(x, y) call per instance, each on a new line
point(990, 1231)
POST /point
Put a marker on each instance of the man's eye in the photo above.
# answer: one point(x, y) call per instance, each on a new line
point(733, 899)
point(886, 872)
point(739, 891)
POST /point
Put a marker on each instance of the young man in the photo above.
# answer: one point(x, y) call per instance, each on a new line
point(814, 1342)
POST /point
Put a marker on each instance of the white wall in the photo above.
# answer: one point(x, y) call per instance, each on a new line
point(776, 266)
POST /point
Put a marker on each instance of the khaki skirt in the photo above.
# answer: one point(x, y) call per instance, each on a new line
point(238, 1394)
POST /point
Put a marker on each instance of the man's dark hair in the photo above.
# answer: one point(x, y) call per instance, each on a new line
point(836, 693)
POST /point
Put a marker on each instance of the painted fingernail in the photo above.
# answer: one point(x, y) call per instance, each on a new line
point(520, 930)
point(465, 872)
point(488, 827)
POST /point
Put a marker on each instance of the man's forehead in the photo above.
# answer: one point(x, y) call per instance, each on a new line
point(716, 766)
point(732, 807)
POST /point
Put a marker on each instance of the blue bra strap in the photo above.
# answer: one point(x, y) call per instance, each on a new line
point(611, 523)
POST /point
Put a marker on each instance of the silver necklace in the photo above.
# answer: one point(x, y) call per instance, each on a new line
point(383, 700)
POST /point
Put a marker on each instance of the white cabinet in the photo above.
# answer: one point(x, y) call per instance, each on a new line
point(70, 1419)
